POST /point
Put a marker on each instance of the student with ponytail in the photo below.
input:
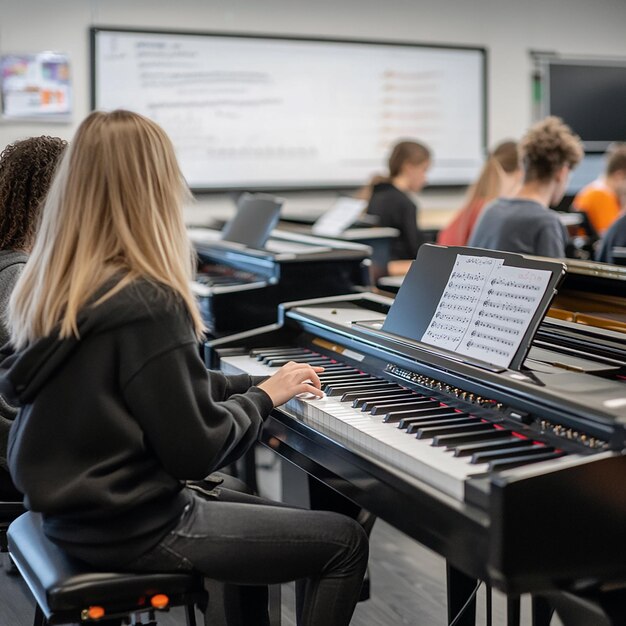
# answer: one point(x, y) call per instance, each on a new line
point(501, 176)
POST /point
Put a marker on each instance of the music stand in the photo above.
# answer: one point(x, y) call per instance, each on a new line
point(430, 283)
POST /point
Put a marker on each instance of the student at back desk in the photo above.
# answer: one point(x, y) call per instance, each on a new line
point(390, 203)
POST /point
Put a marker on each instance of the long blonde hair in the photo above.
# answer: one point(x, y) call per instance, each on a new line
point(114, 209)
point(504, 159)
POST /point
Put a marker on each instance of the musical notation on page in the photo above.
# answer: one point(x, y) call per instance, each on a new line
point(486, 308)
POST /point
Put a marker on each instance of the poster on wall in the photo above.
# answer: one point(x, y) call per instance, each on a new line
point(36, 86)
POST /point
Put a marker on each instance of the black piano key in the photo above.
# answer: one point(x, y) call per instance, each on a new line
point(264, 357)
point(309, 361)
point(343, 371)
point(256, 351)
point(339, 368)
point(511, 453)
point(503, 464)
point(341, 382)
point(268, 351)
point(395, 416)
point(451, 414)
point(383, 409)
point(354, 383)
point(467, 425)
point(314, 360)
point(339, 390)
point(409, 401)
point(502, 444)
point(385, 395)
point(428, 423)
point(332, 377)
point(489, 433)
point(357, 395)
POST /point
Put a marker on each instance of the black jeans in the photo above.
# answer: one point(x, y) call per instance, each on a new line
point(248, 543)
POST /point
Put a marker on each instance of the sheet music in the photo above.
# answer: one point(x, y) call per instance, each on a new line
point(343, 214)
point(486, 308)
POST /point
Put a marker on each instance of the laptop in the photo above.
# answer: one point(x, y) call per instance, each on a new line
point(256, 217)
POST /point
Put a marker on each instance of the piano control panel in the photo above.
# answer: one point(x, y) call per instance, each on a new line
point(437, 385)
point(570, 434)
point(545, 426)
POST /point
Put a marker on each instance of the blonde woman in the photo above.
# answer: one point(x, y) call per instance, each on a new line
point(500, 177)
point(118, 409)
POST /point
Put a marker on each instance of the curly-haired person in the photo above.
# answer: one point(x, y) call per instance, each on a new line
point(26, 170)
point(524, 223)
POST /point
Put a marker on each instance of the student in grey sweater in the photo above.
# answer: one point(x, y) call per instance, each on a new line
point(524, 223)
point(26, 170)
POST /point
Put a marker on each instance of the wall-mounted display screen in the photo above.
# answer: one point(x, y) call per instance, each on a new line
point(590, 96)
point(256, 112)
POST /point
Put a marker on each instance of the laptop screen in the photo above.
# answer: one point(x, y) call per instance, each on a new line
point(256, 217)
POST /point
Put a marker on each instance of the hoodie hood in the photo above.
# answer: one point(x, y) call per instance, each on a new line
point(24, 372)
point(12, 257)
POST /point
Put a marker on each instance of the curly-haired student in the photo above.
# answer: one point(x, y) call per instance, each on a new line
point(26, 170)
point(524, 222)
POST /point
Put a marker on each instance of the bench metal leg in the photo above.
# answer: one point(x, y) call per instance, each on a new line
point(190, 610)
point(40, 619)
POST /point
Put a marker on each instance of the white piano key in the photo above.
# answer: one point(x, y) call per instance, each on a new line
point(370, 435)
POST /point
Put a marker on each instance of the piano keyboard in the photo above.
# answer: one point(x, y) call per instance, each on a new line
point(418, 436)
point(223, 276)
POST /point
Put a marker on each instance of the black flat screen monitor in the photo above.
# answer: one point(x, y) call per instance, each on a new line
point(590, 96)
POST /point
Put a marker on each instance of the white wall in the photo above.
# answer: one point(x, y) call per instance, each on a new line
point(507, 28)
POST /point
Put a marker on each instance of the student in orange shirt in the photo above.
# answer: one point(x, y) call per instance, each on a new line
point(603, 199)
point(501, 176)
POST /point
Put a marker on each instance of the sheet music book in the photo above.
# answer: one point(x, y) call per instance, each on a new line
point(483, 304)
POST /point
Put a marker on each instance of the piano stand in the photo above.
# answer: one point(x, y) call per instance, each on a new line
point(459, 588)
point(542, 611)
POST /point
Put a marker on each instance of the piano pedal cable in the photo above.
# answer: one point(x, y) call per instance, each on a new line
point(467, 603)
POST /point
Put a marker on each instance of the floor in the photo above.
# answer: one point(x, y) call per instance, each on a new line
point(408, 582)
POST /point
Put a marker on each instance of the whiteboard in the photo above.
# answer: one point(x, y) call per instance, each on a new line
point(249, 112)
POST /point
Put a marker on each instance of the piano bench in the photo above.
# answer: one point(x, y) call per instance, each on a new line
point(67, 590)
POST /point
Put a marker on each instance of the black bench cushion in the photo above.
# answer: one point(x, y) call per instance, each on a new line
point(61, 583)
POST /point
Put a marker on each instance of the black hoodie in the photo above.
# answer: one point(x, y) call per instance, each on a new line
point(112, 423)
